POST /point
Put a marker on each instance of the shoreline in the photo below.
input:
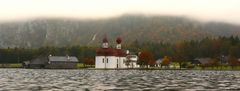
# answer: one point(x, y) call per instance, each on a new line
point(81, 67)
point(125, 69)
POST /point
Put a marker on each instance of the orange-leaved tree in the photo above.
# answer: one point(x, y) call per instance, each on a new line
point(146, 58)
point(165, 61)
point(89, 62)
point(233, 61)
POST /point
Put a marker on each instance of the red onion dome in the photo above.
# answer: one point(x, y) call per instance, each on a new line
point(119, 40)
point(105, 40)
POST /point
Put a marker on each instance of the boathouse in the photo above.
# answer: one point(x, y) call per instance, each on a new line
point(66, 62)
point(52, 62)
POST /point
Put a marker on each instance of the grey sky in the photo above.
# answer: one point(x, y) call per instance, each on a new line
point(214, 10)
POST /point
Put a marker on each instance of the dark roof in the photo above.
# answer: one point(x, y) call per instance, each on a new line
point(203, 60)
point(39, 60)
point(120, 53)
point(195, 61)
point(63, 58)
point(110, 52)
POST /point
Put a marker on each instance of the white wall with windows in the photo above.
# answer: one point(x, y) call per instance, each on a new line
point(110, 62)
point(99, 62)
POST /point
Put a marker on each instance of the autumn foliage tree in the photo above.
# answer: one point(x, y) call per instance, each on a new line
point(181, 53)
point(146, 58)
point(233, 61)
point(88, 62)
point(218, 48)
point(152, 62)
point(165, 61)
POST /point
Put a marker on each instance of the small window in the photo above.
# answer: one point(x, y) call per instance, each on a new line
point(107, 60)
point(103, 60)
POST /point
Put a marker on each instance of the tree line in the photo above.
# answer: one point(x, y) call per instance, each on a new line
point(180, 52)
point(216, 49)
point(18, 55)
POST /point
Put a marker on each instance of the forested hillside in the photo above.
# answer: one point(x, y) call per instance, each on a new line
point(37, 33)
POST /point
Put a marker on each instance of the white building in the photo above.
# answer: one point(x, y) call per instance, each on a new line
point(110, 57)
point(132, 61)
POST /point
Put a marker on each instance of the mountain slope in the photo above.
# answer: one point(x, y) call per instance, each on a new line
point(65, 32)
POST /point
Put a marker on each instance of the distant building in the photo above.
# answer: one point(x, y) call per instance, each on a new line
point(202, 60)
point(107, 57)
point(58, 62)
point(159, 62)
point(66, 62)
point(195, 61)
point(39, 62)
point(132, 61)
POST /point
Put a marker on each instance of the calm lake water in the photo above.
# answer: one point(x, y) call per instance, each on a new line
point(71, 80)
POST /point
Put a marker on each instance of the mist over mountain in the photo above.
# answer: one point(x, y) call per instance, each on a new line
point(67, 32)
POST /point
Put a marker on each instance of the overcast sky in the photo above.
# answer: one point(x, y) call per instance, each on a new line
point(213, 10)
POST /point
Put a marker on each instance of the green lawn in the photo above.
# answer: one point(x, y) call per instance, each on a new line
point(81, 65)
point(16, 65)
point(225, 67)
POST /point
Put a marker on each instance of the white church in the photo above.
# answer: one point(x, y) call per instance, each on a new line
point(112, 58)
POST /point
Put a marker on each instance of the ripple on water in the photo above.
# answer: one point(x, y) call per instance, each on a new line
point(117, 80)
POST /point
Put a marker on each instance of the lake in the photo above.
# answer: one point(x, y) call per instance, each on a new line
point(85, 80)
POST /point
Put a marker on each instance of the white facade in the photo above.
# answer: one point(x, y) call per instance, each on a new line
point(110, 62)
point(132, 59)
point(115, 62)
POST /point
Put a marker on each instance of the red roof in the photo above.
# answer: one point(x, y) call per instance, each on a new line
point(110, 52)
